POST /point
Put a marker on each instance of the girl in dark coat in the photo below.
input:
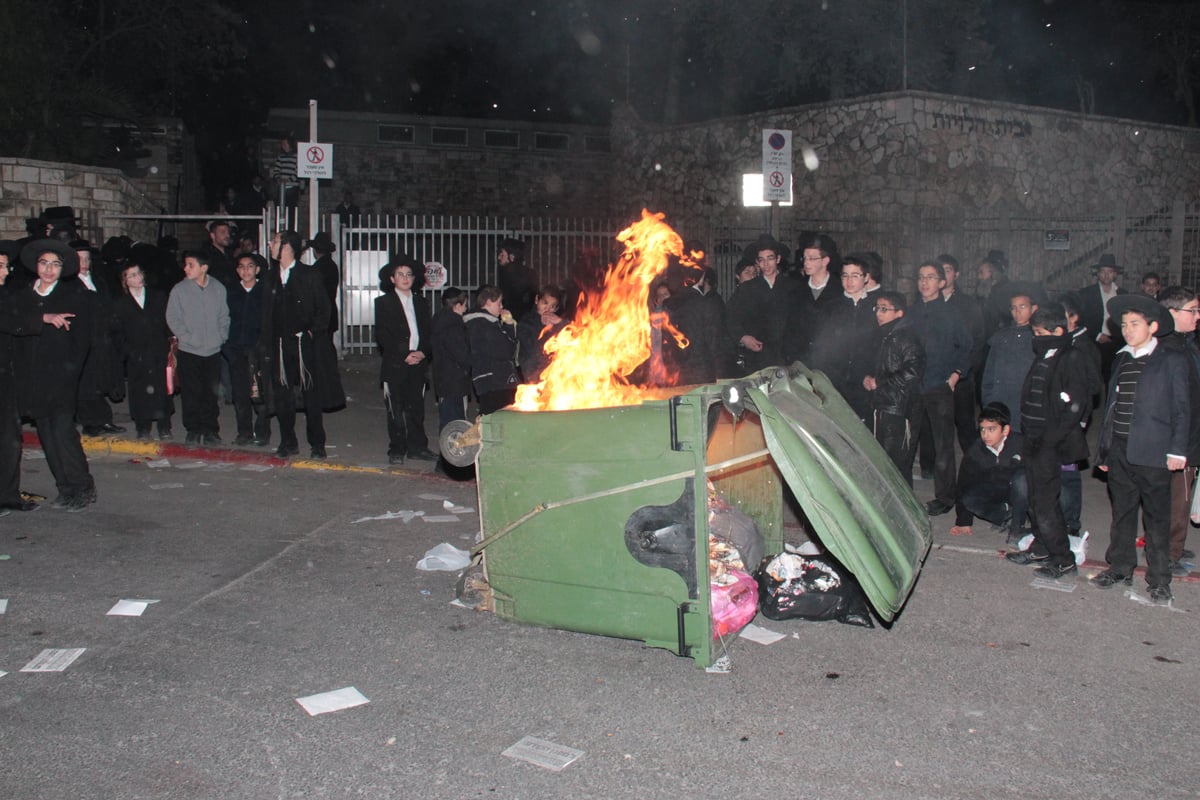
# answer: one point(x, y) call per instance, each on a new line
point(538, 325)
point(49, 365)
point(493, 351)
point(142, 343)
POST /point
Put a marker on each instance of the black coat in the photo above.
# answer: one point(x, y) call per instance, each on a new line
point(848, 348)
point(701, 318)
point(48, 366)
point(1091, 311)
point(493, 353)
point(331, 279)
point(142, 341)
point(1162, 408)
point(301, 307)
point(808, 320)
point(392, 334)
point(757, 309)
point(15, 321)
point(451, 355)
point(899, 368)
point(1068, 402)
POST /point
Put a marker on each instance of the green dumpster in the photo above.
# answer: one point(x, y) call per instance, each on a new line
point(596, 520)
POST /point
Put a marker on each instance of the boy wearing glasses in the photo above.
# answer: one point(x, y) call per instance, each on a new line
point(895, 382)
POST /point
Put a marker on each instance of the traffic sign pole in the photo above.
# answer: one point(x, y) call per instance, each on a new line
point(314, 206)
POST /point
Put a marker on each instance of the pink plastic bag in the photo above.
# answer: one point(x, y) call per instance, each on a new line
point(733, 604)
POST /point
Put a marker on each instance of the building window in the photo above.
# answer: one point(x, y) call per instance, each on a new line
point(397, 134)
point(510, 140)
point(551, 141)
point(448, 137)
point(597, 144)
point(752, 191)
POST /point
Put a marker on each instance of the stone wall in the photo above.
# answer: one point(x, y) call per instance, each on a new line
point(939, 172)
point(28, 187)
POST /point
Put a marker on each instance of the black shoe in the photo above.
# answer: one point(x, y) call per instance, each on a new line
point(75, 504)
point(1056, 570)
point(165, 434)
point(1187, 553)
point(317, 452)
point(1160, 595)
point(20, 505)
point(1014, 538)
point(242, 439)
point(1109, 578)
point(1178, 570)
point(210, 438)
point(192, 438)
point(397, 459)
point(88, 496)
point(108, 427)
point(261, 441)
point(1029, 556)
point(285, 450)
point(60, 501)
point(936, 508)
point(93, 430)
point(424, 454)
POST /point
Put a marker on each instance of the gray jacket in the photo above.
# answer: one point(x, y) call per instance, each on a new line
point(199, 317)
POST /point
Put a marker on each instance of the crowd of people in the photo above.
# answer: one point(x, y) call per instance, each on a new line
point(1004, 376)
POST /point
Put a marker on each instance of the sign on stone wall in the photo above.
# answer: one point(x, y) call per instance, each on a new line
point(777, 165)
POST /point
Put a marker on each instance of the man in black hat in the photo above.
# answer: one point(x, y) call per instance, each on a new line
point(48, 366)
point(757, 314)
point(402, 331)
point(99, 378)
point(331, 274)
point(296, 332)
point(1094, 312)
point(1144, 438)
point(518, 282)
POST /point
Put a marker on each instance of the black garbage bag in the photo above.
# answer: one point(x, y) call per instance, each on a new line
point(793, 586)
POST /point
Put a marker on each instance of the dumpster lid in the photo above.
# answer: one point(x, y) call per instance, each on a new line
point(860, 507)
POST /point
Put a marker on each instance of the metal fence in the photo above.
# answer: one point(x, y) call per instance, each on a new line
point(465, 246)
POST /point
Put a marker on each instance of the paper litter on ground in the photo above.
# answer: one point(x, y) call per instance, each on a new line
point(756, 633)
point(256, 467)
point(722, 666)
point(542, 753)
point(453, 509)
point(32, 455)
point(432, 496)
point(403, 514)
point(442, 518)
point(53, 660)
point(129, 608)
point(4, 605)
point(1133, 595)
point(192, 465)
point(1051, 583)
point(444, 557)
point(157, 463)
point(323, 703)
point(166, 486)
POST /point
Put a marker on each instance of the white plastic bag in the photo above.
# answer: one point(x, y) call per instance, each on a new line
point(444, 558)
point(1078, 546)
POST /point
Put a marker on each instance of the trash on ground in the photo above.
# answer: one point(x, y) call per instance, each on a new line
point(1137, 597)
point(3, 605)
point(1051, 583)
point(722, 666)
point(256, 467)
point(442, 518)
point(404, 514)
point(191, 465)
point(129, 608)
point(473, 590)
point(32, 455)
point(157, 463)
point(444, 557)
point(759, 634)
point(432, 496)
point(325, 702)
point(1078, 545)
point(542, 753)
point(157, 486)
point(53, 660)
point(456, 509)
point(792, 586)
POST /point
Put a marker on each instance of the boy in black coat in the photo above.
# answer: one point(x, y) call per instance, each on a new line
point(1055, 402)
point(1144, 439)
point(991, 480)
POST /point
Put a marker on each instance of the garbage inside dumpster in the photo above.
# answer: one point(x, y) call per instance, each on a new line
point(591, 520)
point(793, 586)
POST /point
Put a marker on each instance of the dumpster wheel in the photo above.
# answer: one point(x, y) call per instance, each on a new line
point(460, 441)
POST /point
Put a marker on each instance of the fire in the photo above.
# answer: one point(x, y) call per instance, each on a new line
point(593, 357)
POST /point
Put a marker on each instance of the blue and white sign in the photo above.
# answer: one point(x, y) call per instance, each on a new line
point(777, 165)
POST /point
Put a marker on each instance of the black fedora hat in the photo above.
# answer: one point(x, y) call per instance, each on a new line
point(1031, 289)
point(1110, 261)
point(1148, 307)
point(321, 242)
point(11, 249)
point(766, 241)
point(400, 260)
point(70, 259)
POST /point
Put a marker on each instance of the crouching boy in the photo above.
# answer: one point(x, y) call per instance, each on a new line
point(991, 480)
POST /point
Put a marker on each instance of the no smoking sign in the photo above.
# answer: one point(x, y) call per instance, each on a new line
point(315, 161)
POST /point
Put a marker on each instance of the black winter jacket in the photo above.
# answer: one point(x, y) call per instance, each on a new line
point(898, 369)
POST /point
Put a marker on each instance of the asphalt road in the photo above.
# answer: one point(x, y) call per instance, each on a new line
point(269, 589)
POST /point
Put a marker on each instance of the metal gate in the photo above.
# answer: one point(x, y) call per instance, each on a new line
point(465, 246)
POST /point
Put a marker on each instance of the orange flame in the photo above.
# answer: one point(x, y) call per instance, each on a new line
point(593, 356)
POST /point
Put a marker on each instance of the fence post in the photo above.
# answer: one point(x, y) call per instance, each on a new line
point(1175, 252)
point(1120, 226)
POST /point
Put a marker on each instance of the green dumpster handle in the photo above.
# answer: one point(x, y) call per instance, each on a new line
point(629, 487)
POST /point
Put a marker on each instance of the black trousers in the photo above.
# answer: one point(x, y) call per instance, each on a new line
point(939, 416)
point(1131, 486)
point(10, 449)
point(285, 413)
point(199, 389)
point(404, 399)
point(966, 422)
point(895, 435)
point(1043, 473)
point(253, 419)
point(64, 454)
point(92, 409)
